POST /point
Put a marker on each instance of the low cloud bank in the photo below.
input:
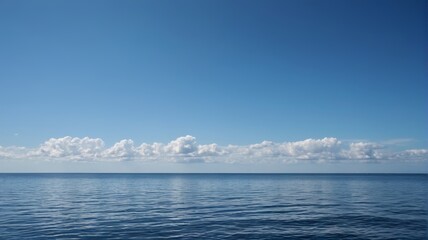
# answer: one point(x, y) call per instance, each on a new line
point(186, 149)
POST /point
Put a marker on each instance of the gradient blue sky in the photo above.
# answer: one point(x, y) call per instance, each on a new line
point(226, 72)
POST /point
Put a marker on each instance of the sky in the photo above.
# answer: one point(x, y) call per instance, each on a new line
point(213, 86)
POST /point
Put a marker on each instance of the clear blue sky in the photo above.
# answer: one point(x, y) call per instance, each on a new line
point(229, 72)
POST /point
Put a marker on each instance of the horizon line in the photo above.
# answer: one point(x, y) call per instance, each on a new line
point(227, 173)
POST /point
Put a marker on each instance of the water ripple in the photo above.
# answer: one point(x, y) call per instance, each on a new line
point(159, 206)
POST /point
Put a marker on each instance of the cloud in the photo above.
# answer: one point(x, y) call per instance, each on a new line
point(314, 149)
point(398, 141)
point(186, 149)
point(122, 150)
point(13, 152)
point(364, 151)
point(182, 146)
point(412, 155)
point(70, 148)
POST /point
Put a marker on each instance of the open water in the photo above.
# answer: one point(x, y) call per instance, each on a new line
point(213, 206)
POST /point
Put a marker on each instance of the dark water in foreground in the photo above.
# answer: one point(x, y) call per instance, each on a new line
point(212, 206)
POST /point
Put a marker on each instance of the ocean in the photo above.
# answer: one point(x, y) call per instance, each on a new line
point(213, 206)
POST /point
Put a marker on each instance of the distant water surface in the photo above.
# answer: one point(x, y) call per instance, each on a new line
point(213, 206)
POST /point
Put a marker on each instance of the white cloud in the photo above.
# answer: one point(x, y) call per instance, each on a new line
point(412, 155)
point(210, 150)
point(122, 150)
point(182, 146)
point(309, 149)
point(186, 149)
point(417, 152)
point(314, 149)
point(70, 148)
point(364, 151)
point(13, 152)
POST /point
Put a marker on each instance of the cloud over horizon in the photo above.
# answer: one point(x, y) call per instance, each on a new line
point(186, 149)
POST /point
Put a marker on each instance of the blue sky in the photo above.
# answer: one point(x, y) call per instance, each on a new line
point(225, 72)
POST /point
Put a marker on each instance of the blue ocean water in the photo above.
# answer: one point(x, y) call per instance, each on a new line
point(213, 206)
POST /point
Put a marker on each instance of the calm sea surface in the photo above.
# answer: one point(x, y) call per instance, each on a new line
point(213, 206)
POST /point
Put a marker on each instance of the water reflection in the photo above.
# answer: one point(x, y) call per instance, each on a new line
point(132, 206)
